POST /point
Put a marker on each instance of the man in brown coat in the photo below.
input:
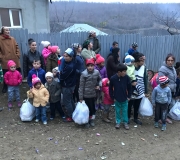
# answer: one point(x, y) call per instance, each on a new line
point(9, 50)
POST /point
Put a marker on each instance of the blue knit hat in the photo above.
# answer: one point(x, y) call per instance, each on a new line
point(129, 59)
point(70, 52)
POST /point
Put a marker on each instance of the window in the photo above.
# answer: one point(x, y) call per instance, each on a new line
point(11, 18)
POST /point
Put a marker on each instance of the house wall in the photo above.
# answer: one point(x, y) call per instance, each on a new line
point(35, 13)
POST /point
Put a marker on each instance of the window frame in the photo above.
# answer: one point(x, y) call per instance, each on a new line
point(11, 18)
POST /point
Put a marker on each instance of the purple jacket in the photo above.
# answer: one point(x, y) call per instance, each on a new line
point(102, 71)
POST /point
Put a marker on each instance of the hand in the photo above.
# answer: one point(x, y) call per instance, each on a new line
point(146, 95)
point(97, 87)
point(134, 83)
point(80, 101)
point(128, 99)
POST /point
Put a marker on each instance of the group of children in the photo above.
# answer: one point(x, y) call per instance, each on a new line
point(92, 85)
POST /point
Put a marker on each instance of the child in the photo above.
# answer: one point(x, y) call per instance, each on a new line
point(120, 92)
point(102, 70)
point(90, 81)
point(55, 95)
point(40, 97)
point(161, 98)
point(178, 84)
point(1, 74)
point(107, 101)
point(56, 75)
point(129, 62)
point(52, 60)
point(38, 71)
point(45, 52)
point(13, 79)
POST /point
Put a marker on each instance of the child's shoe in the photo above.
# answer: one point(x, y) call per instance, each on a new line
point(19, 104)
point(68, 119)
point(163, 127)
point(156, 124)
point(45, 122)
point(91, 122)
point(137, 121)
point(117, 126)
point(86, 125)
point(126, 126)
point(9, 105)
point(37, 120)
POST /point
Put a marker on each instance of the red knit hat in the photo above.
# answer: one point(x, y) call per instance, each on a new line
point(89, 61)
point(35, 79)
point(11, 63)
point(99, 59)
point(53, 49)
point(163, 80)
point(104, 81)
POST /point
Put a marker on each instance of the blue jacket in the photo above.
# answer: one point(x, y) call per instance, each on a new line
point(161, 95)
point(120, 88)
point(68, 74)
point(131, 51)
point(178, 87)
point(80, 64)
point(39, 73)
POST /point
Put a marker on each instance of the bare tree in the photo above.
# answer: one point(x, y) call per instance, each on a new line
point(167, 20)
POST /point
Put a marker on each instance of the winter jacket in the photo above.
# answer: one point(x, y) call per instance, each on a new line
point(161, 95)
point(1, 74)
point(169, 72)
point(111, 67)
point(13, 78)
point(9, 50)
point(102, 71)
point(130, 72)
point(120, 88)
point(54, 91)
point(177, 87)
point(131, 51)
point(52, 62)
point(68, 74)
point(39, 73)
point(105, 89)
point(88, 54)
point(28, 60)
point(96, 44)
point(88, 83)
point(40, 96)
point(80, 65)
point(45, 53)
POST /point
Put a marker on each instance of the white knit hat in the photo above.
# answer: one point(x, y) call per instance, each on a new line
point(49, 74)
point(45, 43)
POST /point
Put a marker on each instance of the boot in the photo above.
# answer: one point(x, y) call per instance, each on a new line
point(91, 122)
point(109, 117)
point(105, 119)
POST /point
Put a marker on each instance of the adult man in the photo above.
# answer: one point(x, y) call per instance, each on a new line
point(95, 41)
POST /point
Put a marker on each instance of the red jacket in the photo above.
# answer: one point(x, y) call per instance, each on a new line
point(105, 89)
point(13, 78)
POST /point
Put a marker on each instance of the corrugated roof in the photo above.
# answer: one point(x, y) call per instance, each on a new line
point(83, 28)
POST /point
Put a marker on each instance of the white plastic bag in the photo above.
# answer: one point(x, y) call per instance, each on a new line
point(27, 111)
point(146, 108)
point(175, 111)
point(81, 113)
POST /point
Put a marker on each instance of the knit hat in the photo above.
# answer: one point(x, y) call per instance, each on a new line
point(55, 69)
point(91, 32)
point(99, 59)
point(70, 52)
point(35, 79)
point(104, 81)
point(53, 49)
point(45, 43)
point(129, 59)
point(163, 80)
point(11, 63)
point(49, 74)
point(89, 61)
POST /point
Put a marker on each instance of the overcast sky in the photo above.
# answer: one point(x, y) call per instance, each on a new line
point(129, 1)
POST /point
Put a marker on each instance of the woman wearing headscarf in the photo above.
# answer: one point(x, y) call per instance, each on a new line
point(9, 50)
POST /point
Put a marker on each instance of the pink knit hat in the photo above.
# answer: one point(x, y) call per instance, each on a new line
point(11, 63)
point(99, 59)
point(35, 79)
point(53, 49)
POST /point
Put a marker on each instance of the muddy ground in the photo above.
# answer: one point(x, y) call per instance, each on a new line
point(66, 141)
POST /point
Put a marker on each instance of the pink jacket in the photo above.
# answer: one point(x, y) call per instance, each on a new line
point(46, 52)
point(105, 89)
point(13, 78)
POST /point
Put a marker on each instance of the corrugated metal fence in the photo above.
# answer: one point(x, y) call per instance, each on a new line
point(155, 48)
